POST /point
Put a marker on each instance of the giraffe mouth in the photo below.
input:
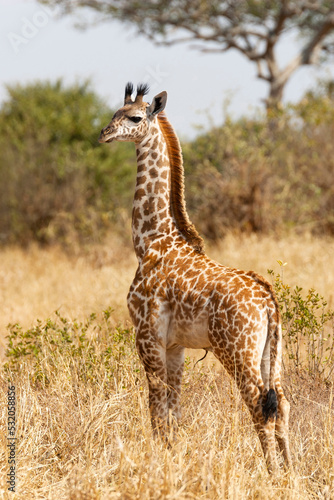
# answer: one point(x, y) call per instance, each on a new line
point(103, 140)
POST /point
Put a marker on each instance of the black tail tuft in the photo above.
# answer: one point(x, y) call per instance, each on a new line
point(269, 407)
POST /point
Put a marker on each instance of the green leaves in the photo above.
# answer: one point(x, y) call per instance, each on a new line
point(308, 327)
point(93, 350)
point(59, 184)
point(246, 177)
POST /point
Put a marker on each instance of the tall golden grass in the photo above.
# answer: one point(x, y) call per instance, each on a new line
point(36, 282)
point(86, 434)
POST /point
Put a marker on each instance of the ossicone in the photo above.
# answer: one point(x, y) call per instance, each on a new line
point(128, 93)
point(142, 89)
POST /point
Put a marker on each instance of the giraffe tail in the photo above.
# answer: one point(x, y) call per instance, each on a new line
point(270, 403)
point(272, 351)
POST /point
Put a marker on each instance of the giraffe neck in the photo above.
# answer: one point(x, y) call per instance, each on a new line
point(151, 215)
point(159, 205)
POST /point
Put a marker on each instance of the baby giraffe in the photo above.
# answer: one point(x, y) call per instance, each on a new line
point(180, 298)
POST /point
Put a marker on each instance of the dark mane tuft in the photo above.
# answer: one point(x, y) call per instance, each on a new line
point(143, 89)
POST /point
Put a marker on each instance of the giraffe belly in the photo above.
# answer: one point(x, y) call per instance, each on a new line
point(192, 334)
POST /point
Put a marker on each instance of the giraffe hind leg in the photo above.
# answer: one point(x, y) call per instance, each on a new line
point(262, 411)
point(276, 405)
point(254, 394)
point(282, 427)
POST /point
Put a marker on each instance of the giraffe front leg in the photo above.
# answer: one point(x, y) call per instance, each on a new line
point(153, 357)
point(175, 365)
point(158, 403)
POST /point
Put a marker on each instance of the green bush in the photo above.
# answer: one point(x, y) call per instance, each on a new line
point(249, 175)
point(59, 184)
point(266, 174)
point(93, 351)
point(308, 328)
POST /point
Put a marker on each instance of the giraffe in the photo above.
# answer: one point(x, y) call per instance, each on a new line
point(180, 298)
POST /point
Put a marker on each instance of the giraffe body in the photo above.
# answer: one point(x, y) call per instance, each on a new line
point(182, 299)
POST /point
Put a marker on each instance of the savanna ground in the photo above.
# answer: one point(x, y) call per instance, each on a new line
point(83, 428)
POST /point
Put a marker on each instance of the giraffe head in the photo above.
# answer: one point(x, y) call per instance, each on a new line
point(132, 122)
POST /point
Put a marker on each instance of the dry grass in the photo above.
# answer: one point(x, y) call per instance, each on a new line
point(35, 282)
point(310, 261)
point(85, 434)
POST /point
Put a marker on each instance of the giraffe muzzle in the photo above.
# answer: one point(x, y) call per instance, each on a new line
point(105, 135)
point(103, 139)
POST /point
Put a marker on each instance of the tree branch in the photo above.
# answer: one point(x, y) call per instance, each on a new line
point(252, 28)
point(310, 52)
point(260, 74)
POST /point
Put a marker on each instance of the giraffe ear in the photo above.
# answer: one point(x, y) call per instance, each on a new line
point(158, 104)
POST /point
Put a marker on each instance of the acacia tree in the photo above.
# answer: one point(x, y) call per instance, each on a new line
point(252, 27)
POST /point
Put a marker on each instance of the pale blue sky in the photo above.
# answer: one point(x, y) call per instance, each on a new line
point(35, 44)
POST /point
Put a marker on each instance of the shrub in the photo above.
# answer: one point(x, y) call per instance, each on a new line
point(93, 351)
point(264, 175)
point(59, 183)
point(308, 328)
point(249, 175)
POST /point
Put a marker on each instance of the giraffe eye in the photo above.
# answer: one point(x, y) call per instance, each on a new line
point(135, 119)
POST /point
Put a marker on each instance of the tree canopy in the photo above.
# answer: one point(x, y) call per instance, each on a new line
point(252, 27)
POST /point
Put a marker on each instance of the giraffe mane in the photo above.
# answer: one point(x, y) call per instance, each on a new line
point(178, 204)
